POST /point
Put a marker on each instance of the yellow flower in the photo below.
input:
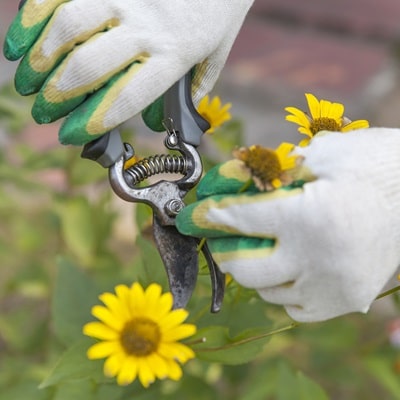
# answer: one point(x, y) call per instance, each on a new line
point(214, 112)
point(139, 334)
point(325, 116)
point(269, 168)
point(131, 161)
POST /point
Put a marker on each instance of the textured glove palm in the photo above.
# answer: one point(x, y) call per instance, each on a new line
point(322, 250)
point(124, 54)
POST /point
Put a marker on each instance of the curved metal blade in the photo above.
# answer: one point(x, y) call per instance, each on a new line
point(180, 257)
point(217, 280)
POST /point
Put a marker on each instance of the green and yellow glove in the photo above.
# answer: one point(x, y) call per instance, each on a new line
point(321, 250)
point(101, 62)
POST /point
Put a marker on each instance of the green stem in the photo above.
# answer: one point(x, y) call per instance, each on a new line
point(246, 185)
point(250, 339)
point(201, 244)
point(388, 292)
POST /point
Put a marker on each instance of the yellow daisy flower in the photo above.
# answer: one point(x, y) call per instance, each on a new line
point(214, 112)
point(269, 168)
point(325, 116)
point(139, 334)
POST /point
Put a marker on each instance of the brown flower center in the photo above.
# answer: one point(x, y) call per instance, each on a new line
point(140, 337)
point(262, 162)
point(324, 124)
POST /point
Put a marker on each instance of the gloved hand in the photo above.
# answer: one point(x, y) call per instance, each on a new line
point(102, 62)
point(321, 250)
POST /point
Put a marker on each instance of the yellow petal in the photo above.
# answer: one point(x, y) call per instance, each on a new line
point(107, 317)
point(122, 292)
point(220, 119)
point(304, 142)
point(203, 103)
point(174, 318)
point(174, 370)
point(152, 297)
point(336, 112)
point(284, 149)
point(225, 109)
point(146, 375)
point(115, 305)
point(305, 131)
point(113, 364)
point(176, 351)
point(283, 152)
point(325, 108)
point(299, 117)
point(313, 105)
point(128, 371)
point(276, 183)
point(164, 305)
point(100, 331)
point(103, 349)
point(358, 124)
point(214, 112)
point(137, 302)
point(288, 163)
point(215, 104)
point(179, 332)
point(158, 365)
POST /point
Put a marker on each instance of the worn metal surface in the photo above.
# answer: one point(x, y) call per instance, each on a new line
point(180, 258)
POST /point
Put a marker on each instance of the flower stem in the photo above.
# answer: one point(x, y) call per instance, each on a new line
point(250, 339)
point(246, 185)
point(388, 292)
point(201, 244)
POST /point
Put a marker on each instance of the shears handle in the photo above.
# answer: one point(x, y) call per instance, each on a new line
point(179, 107)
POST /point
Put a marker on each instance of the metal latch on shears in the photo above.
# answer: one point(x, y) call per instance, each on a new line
point(184, 128)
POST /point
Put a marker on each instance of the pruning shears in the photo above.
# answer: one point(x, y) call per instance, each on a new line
point(184, 128)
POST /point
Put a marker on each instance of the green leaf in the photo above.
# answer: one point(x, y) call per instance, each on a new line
point(308, 389)
point(26, 389)
point(218, 346)
point(84, 172)
point(192, 387)
point(382, 370)
point(228, 136)
point(295, 385)
point(243, 312)
point(78, 228)
point(81, 390)
point(144, 216)
point(149, 267)
point(33, 160)
point(74, 294)
point(74, 365)
point(260, 383)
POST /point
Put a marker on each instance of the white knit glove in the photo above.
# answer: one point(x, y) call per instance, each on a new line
point(335, 241)
point(124, 53)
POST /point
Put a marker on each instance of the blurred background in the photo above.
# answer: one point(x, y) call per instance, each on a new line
point(339, 50)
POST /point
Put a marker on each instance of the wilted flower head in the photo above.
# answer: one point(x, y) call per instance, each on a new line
point(269, 168)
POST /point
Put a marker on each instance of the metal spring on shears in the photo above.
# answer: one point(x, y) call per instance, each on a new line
point(153, 165)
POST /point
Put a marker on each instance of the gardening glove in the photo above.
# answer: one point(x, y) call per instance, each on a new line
point(320, 250)
point(101, 62)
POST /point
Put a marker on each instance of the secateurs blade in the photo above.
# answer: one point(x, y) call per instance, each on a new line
point(184, 128)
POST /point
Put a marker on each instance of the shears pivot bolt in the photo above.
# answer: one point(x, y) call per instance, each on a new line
point(173, 207)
